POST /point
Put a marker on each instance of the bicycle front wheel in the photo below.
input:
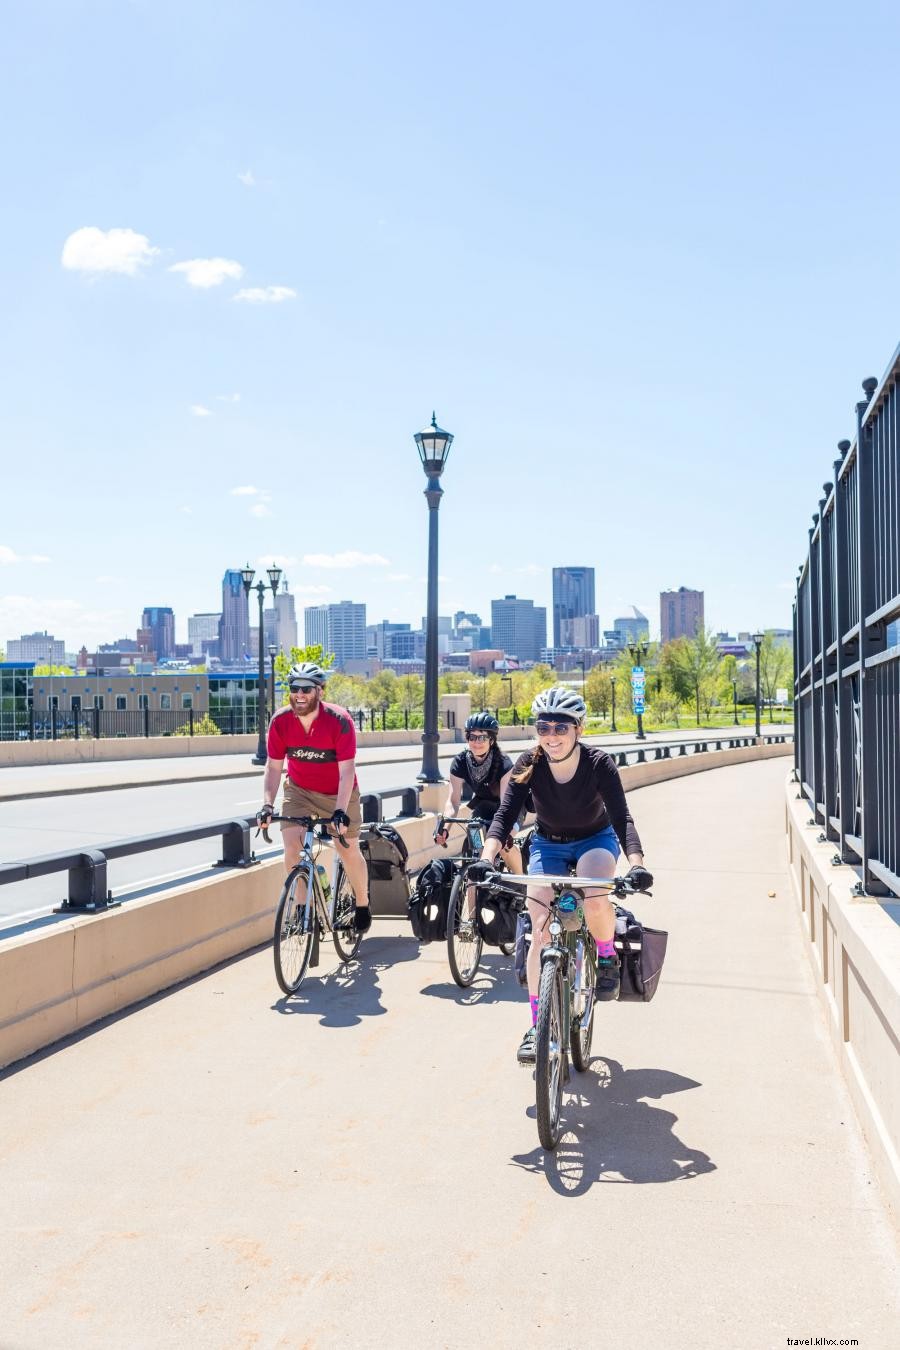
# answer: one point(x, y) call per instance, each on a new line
point(345, 936)
point(464, 943)
point(294, 922)
point(582, 1028)
point(550, 1054)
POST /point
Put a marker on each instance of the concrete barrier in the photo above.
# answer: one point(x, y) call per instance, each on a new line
point(854, 948)
point(57, 981)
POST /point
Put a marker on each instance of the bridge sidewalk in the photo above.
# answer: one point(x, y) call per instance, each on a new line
point(360, 1167)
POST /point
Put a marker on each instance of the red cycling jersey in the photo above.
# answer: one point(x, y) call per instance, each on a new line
point(313, 756)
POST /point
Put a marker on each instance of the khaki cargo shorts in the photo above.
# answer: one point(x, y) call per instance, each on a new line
point(299, 801)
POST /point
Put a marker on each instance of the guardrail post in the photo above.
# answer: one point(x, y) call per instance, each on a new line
point(76, 719)
point(409, 802)
point(191, 721)
point(53, 715)
point(31, 723)
point(236, 850)
point(370, 802)
point(87, 884)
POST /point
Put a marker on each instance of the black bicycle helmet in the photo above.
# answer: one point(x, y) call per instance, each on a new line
point(483, 721)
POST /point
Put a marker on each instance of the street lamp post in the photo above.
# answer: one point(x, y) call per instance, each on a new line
point(757, 640)
point(638, 650)
point(483, 690)
point(273, 652)
point(507, 679)
point(612, 680)
point(734, 692)
point(274, 574)
point(433, 446)
point(581, 664)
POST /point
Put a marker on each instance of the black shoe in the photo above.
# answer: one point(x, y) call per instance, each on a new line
point(362, 919)
point(526, 1052)
point(608, 977)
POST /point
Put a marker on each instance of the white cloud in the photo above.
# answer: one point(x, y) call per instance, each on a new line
point(202, 273)
point(266, 295)
point(9, 555)
point(260, 509)
point(198, 410)
point(263, 496)
point(228, 398)
point(186, 510)
point(246, 491)
point(348, 559)
point(247, 178)
point(93, 250)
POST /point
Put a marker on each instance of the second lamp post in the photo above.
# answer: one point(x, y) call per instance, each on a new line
point(247, 575)
point(433, 446)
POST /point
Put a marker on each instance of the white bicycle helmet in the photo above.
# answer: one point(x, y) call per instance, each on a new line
point(308, 671)
point(559, 702)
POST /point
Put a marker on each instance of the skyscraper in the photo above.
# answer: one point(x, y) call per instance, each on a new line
point(573, 597)
point(203, 628)
point(519, 627)
point(680, 613)
point(159, 621)
point(633, 626)
point(340, 628)
point(234, 626)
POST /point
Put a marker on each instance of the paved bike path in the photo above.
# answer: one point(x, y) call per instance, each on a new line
point(360, 1166)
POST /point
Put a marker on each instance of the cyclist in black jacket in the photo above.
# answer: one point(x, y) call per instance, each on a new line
point(582, 819)
point(486, 769)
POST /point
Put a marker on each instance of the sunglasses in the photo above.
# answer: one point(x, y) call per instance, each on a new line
point(553, 728)
point(477, 736)
point(303, 688)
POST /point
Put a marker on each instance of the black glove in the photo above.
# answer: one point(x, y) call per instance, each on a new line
point(339, 820)
point(482, 870)
point(264, 815)
point(440, 832)
point(640, 878)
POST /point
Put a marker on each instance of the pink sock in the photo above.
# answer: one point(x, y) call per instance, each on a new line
point(534, 1007)
point(606, 949)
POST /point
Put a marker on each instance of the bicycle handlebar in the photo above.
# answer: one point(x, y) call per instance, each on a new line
point(620, 886)
point(307, 823)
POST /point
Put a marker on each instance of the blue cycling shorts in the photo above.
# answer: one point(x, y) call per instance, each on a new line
point(547, 858)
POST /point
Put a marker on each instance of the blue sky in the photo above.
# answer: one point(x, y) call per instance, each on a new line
point(637, 258)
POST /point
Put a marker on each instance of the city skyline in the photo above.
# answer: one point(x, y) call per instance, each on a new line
point(221, 309)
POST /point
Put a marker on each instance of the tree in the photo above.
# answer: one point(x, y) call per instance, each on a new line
point(691, 668)
point(775, 668)
point(52, 670)
point(598, 690)
point(314, 652)
point(203, 726)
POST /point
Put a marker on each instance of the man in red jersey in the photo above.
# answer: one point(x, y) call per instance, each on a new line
point(318, 739)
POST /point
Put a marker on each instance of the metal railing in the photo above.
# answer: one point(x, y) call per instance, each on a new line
point(88, 890)
point(58, 724)
point(847, 646)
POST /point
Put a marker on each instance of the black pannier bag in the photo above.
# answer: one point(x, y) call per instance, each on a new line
point(495, 915)
point(429, 902)
point(641, 953)
point(523, 943)
point(385, 853)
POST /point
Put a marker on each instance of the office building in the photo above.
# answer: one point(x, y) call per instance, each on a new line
point(203, 629)
point(286, 635)
point(234, 625)
point(519, 627)
point(573, 597)
point(378, 637)
point(340, 629)
point(41, 648)
point(680, 614)
point(159, 622)
point(633, 626)
point(583, 631)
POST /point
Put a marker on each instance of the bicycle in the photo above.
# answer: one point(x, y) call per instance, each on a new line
point(300, 923)
point(566, 1004)
point(464, 943)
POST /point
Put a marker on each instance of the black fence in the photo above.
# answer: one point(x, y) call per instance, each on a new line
point(56, 724)
point(847, 646)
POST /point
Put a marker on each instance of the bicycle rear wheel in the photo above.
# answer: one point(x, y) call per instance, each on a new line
point(294, 930)
point(583, 1004)
point(345, 936)
point(464, 943)
point(550, 1054)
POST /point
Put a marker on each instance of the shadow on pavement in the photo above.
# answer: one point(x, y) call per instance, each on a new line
point(612, 1136)
point(494, 983)
point(344, 996)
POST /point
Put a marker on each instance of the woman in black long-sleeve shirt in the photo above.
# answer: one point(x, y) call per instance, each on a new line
point(582, 818)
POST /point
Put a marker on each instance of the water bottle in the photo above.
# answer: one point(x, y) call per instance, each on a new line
point(324, 884)
point(570, 912)
point(621, 923)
